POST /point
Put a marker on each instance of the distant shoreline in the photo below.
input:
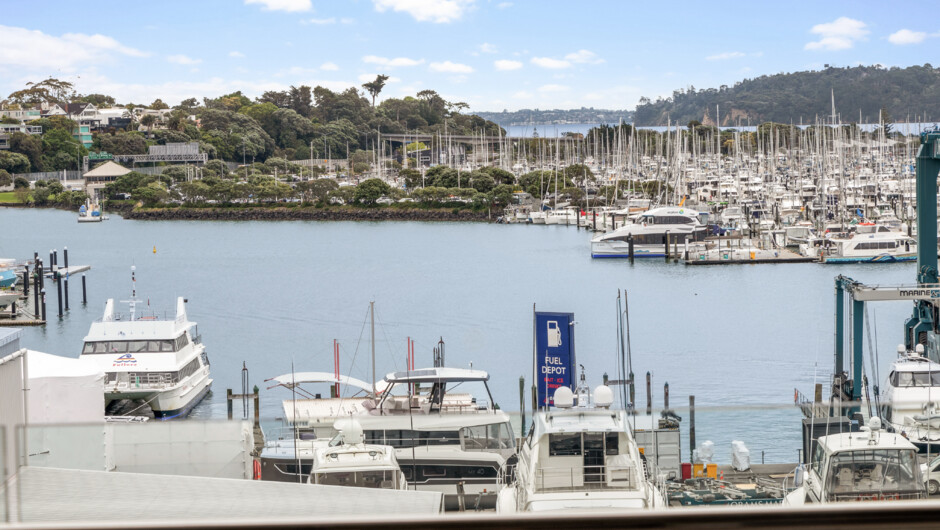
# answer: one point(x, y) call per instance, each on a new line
point(305, 214)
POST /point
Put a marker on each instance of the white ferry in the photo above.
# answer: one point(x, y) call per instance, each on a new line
point(159, 362)
point(649, 231)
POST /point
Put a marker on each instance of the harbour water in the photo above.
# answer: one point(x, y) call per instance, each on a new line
point(276, 294)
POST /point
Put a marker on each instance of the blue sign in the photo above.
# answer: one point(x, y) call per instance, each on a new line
point(554, 354)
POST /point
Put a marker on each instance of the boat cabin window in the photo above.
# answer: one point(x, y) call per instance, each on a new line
point(134, 346)
point(877, 245)
point(819, 454)
point(380, 479)
point(911, 379)
point(487, 437)
point(442, 473)
point(879, 471)
point(572, 444)
point(666, 220)
point(409, 438)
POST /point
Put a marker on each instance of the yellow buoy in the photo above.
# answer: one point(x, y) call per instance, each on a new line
point(154, 249)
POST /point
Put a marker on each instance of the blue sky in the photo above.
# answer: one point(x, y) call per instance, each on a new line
point(492, 54)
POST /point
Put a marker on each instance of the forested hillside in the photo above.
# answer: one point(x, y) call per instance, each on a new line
point(906, 94)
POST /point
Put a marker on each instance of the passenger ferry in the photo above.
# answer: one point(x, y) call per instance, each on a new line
point(649, 231)
point(145, 358)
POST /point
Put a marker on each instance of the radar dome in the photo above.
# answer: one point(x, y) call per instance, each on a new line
point(919, 349)
point(603, 396)
point(351, 431)
point(874, 424)
point(564, 397)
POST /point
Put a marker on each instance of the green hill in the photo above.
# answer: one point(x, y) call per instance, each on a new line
point(908, 94)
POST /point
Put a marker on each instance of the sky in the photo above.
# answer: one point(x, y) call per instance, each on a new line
point(490, 54)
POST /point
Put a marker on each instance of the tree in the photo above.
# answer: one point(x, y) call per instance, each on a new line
point(301, 100)
point(98, 100)
point(158, 104)
point(317, 189)
point(375, 87)
point(20, 183)
point(29, 145)
point(14, 162)
point(5, 178)
point(148, 120)
point(151, 194)
point(370, 190)
point(50, 91)
point(41, 195)
point(412, 178)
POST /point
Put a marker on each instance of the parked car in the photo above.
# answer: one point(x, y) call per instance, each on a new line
point(384, 200)
point(337, 200)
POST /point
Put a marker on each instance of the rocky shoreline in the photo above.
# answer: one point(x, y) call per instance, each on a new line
point(304, 214)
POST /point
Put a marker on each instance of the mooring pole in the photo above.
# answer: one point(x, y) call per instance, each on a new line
point(84, 291)
point(649, 395)
point(43, 305)
point(26, 281)
point(522, 405)
point(58, 288)
point(630, 247)
point(691, 427)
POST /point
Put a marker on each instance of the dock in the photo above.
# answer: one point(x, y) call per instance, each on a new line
point(783, 256)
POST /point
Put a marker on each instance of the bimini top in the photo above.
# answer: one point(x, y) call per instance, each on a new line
point(437, 375)
point(299, 378)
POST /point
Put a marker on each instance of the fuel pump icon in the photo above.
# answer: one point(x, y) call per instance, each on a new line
point(554, 334)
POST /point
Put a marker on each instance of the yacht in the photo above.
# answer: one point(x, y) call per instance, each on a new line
point(580, 456)
point(441, 437)
point(348, 461)
point(859, 466)
point(870, 243)
point(649, 231)
point(910, 396)
point(161, 362)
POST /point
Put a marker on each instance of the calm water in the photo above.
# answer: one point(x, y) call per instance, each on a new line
point(740, 338)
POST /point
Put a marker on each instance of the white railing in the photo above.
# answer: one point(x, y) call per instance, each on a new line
point(586, 478)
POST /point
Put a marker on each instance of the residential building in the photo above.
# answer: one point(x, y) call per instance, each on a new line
point(8, 129)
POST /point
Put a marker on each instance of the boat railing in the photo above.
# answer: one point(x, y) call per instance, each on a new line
point(142, 380)
point(548, 480)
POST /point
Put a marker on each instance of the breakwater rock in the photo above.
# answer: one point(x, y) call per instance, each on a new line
point(305, 214)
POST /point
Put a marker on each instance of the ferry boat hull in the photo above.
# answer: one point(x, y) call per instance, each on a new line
point(881, 258)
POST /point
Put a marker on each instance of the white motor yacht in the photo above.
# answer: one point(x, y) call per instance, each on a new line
point(161, 362)
point(649, 231)
point(90, 213)
point(441, 437)
point(910, 397)
point(580, 457)
point(859, 466)
point(870, 243)
point(348, 461)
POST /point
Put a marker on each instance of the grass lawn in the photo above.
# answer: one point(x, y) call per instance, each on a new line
point(8, 197)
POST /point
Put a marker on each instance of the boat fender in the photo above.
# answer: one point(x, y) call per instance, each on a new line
point(256, 469)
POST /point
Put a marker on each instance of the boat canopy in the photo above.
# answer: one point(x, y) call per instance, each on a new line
point(437, 375)
point(291, 380)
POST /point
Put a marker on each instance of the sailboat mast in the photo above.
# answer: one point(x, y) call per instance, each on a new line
point(372, 325)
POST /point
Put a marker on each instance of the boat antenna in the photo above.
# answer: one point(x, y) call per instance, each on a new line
point(293, 391)
point(132, 303)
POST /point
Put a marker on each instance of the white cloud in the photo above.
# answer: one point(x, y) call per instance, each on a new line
point(182, 59)
point(236, 54)
point(553, 88)
point(391, 63)
point(291, 6)
point(29, 50)
point(906, 36)
point(725, 56)
point(454, 68)
point(506, 65)
point(319, 21)
point(437, 11)
point(840, 34)
point(487, 48)
point(548, 62)
point(329, 67)
point(522, 94)
point(504, 5)
point(584, 57)
point(347, 20)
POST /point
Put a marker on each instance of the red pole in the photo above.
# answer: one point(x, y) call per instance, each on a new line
point(336, 363)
